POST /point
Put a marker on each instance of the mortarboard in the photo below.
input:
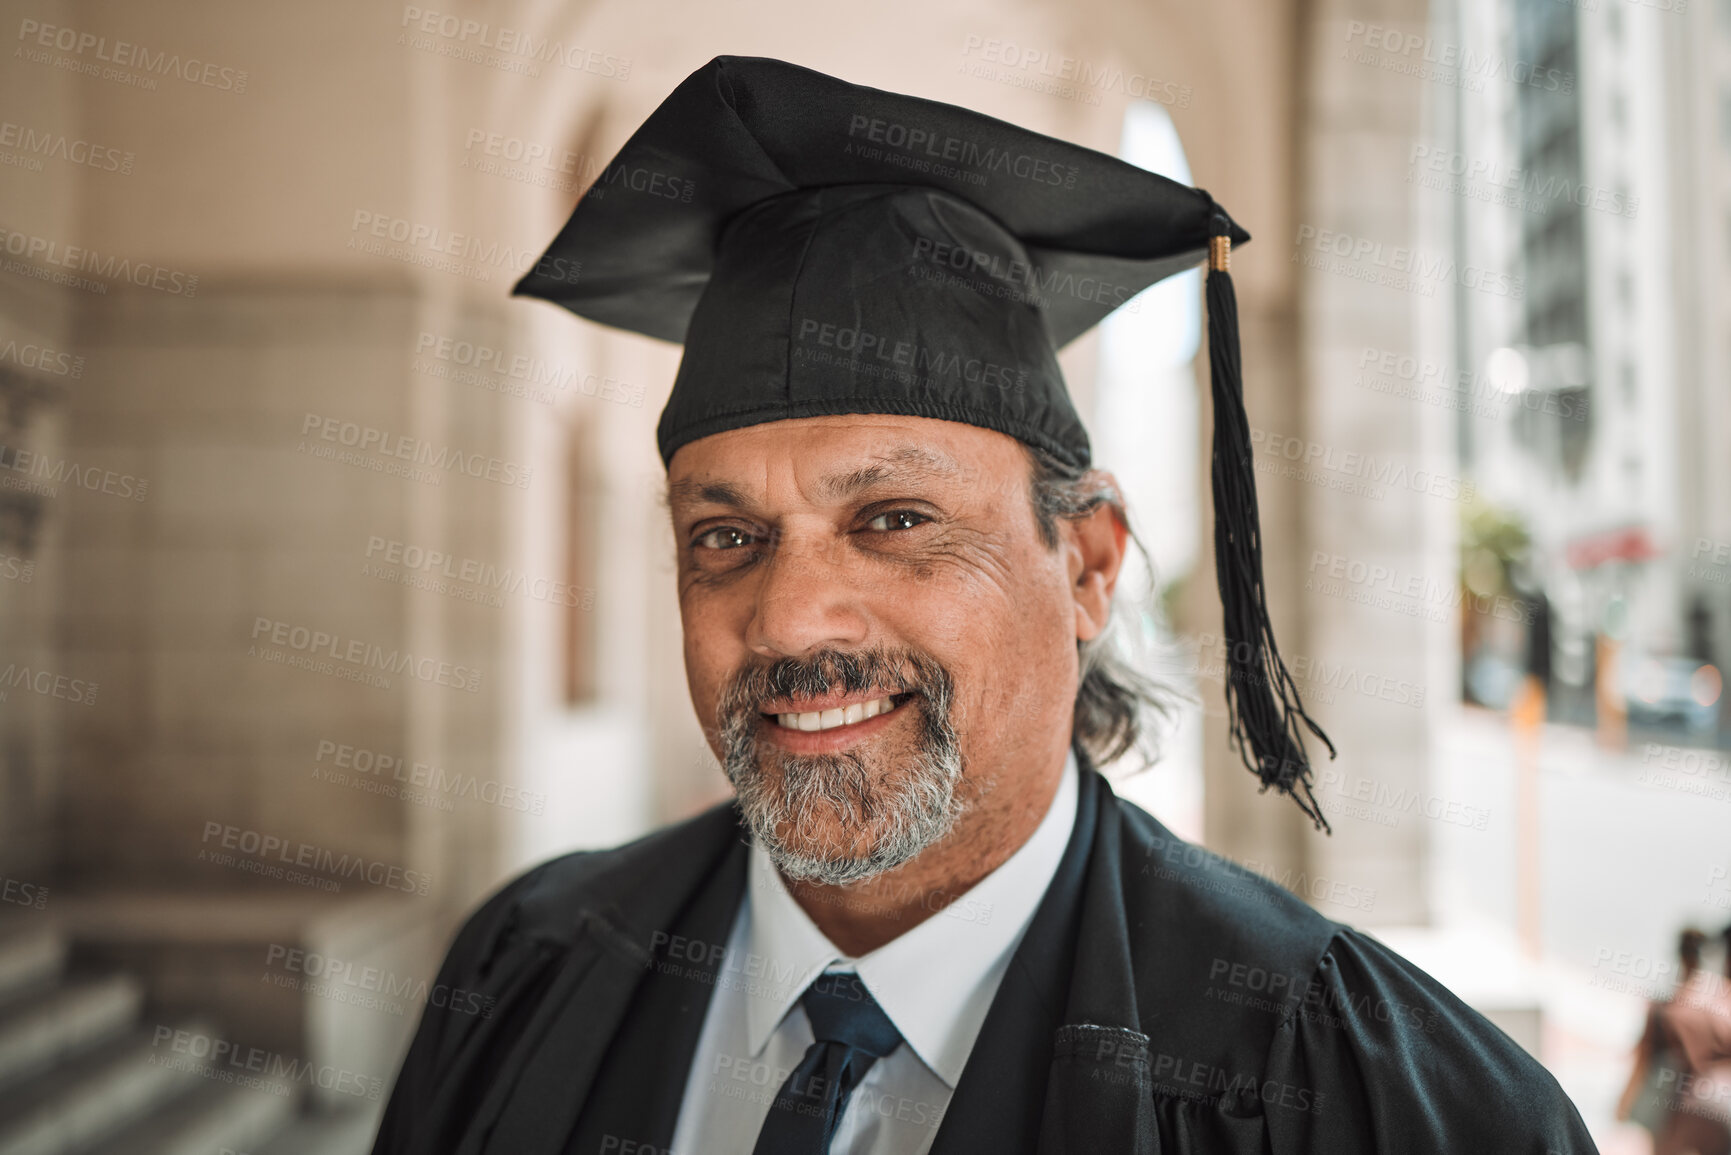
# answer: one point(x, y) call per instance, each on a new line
point(820, 248)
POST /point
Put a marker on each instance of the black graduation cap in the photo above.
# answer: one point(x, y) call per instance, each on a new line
point(820, 248)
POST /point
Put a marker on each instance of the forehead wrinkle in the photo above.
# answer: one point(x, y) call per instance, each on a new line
point(906, 462)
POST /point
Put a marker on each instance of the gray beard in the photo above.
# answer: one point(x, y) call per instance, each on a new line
point(915, 805)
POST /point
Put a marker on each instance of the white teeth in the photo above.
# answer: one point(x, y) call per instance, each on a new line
point(835, 716)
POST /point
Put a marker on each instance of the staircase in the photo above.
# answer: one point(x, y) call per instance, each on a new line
point(82, 1072)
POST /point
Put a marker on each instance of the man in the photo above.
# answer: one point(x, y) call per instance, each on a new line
point(925, 924)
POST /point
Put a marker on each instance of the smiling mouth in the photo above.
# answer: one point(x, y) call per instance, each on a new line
point(837, 716)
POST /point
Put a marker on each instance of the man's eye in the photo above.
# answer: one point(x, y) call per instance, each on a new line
point(726, 537)
point(897, 519)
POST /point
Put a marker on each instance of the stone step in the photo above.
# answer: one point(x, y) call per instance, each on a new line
point(93, 1096)
point(206, 1120)
point(30, 959)
point(37, 1031)
point(347, 1132)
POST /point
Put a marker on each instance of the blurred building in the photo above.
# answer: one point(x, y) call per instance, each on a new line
point(1590, 402)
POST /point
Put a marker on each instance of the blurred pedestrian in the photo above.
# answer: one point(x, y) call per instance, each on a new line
point(1680, 1088)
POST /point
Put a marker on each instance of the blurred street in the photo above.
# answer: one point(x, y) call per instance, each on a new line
point(1624, 864)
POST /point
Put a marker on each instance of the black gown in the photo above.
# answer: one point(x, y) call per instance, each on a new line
point(1164, 1000)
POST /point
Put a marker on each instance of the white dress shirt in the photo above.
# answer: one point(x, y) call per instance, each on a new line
point(935, 982)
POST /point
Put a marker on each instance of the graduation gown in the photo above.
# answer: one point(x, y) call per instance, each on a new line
point(1163, 1000)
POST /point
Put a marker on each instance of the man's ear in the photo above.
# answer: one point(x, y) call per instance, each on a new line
point(1095, 547)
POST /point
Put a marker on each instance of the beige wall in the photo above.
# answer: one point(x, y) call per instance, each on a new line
point(257, 192)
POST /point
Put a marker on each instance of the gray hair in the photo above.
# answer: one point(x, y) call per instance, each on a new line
point(1115, 701)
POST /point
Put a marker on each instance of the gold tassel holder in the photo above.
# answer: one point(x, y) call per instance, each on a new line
point(1220, 254)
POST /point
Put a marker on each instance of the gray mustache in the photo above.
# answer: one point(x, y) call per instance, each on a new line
point(832, 670)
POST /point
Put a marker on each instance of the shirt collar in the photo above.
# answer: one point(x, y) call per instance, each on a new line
point(937, 1008)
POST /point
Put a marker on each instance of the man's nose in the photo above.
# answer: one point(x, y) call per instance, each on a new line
point(807, 599)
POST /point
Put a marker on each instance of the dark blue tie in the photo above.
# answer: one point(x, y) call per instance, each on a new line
point(852, 1033)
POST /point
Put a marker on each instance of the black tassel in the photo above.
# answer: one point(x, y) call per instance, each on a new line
point(1262, 701)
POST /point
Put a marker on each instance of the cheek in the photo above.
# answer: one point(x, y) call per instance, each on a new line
point(1011, 645)
point(713, 654)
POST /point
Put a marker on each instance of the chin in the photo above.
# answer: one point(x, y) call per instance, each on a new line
point(845, 824)
point(826, 846)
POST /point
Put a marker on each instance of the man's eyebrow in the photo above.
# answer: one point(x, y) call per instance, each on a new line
point(690, 492)
point(905, 462)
